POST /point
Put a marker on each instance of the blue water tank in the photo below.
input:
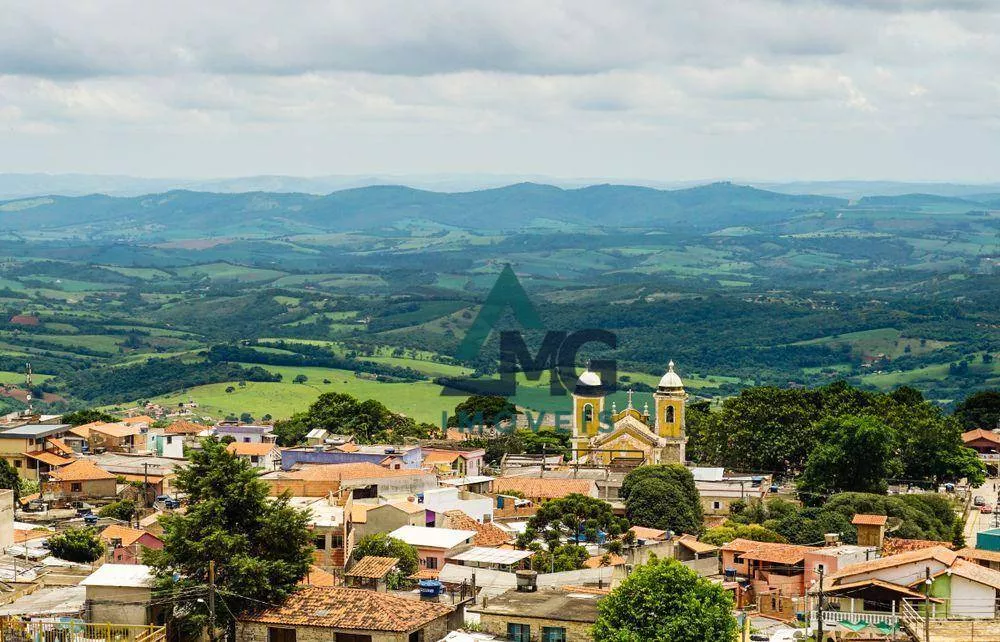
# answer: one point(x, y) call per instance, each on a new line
point(430, 588)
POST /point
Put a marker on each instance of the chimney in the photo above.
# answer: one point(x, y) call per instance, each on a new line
point(527, 581)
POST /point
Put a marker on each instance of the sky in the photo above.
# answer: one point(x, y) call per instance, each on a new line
point(659, 89)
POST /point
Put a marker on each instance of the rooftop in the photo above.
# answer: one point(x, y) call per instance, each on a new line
point(250, 450)
point(373, 567)
point(444, 538)
point(128, 536)
point(979, 433)
point(120, 575)
point(182, 427)
point(768, 551)
point(484, 555)
point(938, 553)
point(34, 431)
point(487, 534)
point(542, 488)
point(80, 470)
point(318, 577)
point(344, 472)
point(242, 430)
point(322, 512)
point(641, 532)
point(350, 609)
point(116, 430)
point(691, 543)
point(869, 520)
point(466, 481)
point(561, 604)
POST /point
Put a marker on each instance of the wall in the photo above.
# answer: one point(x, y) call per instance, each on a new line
point(95, 488)
point(497, 625)
point(6, 519)
point(705, 567)
point(905, 574)
point(971, 599)
point(387, 518)
point(289, 458)
point(118, 605)
point(978, 630)
point(478, 507)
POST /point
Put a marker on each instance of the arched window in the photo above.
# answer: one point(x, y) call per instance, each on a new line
point(668, 416)
point(588, 414)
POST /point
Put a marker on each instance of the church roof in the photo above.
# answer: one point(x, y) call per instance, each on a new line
point(671, 380)
point(589, 383)
point(631, 425)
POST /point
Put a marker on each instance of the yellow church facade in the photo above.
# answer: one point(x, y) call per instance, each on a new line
point(629, 437)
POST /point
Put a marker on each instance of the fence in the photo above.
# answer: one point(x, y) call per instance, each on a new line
point(16, 630)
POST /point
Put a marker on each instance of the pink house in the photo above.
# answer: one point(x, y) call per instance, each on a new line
point(769, 567)
point(833, 558)
point(433, 544)
point(126, 544)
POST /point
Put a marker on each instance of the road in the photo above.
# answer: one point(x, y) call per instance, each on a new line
point(979, 521)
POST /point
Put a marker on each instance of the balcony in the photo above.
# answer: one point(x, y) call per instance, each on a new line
point(65, 630)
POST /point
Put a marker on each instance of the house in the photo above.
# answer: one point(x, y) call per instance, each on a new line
point(116, 438)
point(370, 572)
point(264, 455)
point(433, 544)
point(395, 457)
point(245, 434)
point(769, 567)
point(439, 501)
point(22, 447)
point(127, 544)
point(341, 614)
point(459, 463)
point(164, 444)
point(80, 480)
point(645, 535)
point(547, 615)
point(542, 489)
point(316, 437)
point(871, 529)
point(717, 497)
point(830, 559)
point(142, 421)
point(121, 593)
point(689, 548)
point(366, 480)
point(333, 533)
point(388, 516)
point(479, 484)
point(185, 428)
point(7, 519)
point(984, 442)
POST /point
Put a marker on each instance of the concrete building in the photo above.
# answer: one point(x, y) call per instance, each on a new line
point(121, 593)
point(441, 500)
point(366, 480)
point(547, 615)
point(32, 449)
point(80, 480)
point(458, 462)
point(434, 545)
point(117, 438)
point(333, 533)
point(245, 434)
point(395, 457)
point(387, 517)
point(265, 455)
point(125, 545)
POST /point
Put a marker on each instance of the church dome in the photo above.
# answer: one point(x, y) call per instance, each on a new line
point(671, 381)
point(589, 383)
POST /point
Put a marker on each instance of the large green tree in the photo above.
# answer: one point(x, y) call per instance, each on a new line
point(261, 546)
point(575, 517)
point(369, 421)
point(663, 497)
point(10, 479)
point(381, 545)
point(80, 545)
point(664, 601)
point(858, 454)
point(81, 417)
point(482, 410)
point(980, 410)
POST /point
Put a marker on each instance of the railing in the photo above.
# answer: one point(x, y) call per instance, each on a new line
point(836, 617)
point(15, 630)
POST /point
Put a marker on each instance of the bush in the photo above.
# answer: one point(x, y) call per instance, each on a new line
point(123, 510)
point(76, 545)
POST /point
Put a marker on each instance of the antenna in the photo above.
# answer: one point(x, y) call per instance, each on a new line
point(27, 384)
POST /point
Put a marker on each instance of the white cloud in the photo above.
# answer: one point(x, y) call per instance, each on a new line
point(596, 87)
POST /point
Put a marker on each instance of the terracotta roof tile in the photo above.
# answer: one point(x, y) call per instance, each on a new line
point(318, 577)
point(81, 470)
point(373, 567)
point(127, 535)
point(978, 554)
point(691, 543)
point(869, 520)
point(896, 545)
point(340, 472)
point(641, 532)
point(939, 553)
point(350, 609)
point(116, 430)
point(50, 458)
point(249, 450)
point(976, 573)
point(542, 488)
point(597, 561)
point(488, 534)
point(182, 427)
point(24, 535)
point(59, 445)
point(979, 433)
point(768, 551)
point(141, 419)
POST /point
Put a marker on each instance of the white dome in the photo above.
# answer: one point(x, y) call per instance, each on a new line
point(671, 380)
point(589, 378)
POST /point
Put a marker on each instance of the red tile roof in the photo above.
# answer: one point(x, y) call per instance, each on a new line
point(768, 551)
point(128, 536)
point(182, 427)
point(50, 458)
point(869, 520)
point(239, 448)
point(80, 470)
point(896, 545)
point(542, 488)
point(373, 567)
point(340, 472)
point(939, 553)
point(641, 532)
point(318, 577)
point(350, 609)
point(488, 534)
point(597, 561)
point(979, 433)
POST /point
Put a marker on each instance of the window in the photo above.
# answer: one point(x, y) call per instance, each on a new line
point(17, 463)
point(280, 635)
point(588, 413)
point(320, 542)
point(553, 634)
point(337, 541)
point(820, 568)
point(76, 487)
point(351, 637)
point(668, 416)
point(170, 440)
point(431, 562)
point(254, 459)
point(246, 440)
point(417, 636)
point(519, 632)
point(716, 505)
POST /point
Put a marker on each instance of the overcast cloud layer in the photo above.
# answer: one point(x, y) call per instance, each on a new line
point(668, 90)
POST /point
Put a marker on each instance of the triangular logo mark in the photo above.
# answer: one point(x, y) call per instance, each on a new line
point(506, 292)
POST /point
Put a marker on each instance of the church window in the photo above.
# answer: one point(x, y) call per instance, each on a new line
point(588, 413)
point(669, 415)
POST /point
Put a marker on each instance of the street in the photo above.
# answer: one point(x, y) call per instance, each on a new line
point(982, 521)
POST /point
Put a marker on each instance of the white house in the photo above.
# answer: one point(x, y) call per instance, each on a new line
point(266, 456)
point(441, 500)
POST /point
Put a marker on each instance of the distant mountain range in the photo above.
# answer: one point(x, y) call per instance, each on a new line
point(26, 185)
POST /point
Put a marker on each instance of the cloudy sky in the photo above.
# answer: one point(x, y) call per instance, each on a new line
point(657, 89)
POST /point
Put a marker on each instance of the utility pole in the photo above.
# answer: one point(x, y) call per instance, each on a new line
point(211, 600)
point(145, 484)
point(927, 604)
point(819, 608)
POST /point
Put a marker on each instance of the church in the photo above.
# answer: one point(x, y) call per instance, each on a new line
point(629, 437)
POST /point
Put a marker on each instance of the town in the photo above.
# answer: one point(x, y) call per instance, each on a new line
point(155, 528)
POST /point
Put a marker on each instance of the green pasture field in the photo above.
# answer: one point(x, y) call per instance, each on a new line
point(230, 272)
point(888, 341)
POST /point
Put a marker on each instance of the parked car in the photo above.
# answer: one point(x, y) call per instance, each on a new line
point(168, 502)
point(82, 508)
point(985, 508)
point(978, 500)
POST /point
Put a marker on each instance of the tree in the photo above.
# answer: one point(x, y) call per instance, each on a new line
point(80, 545)
point(301, 378)
point(858, 455)
point(979, 410)
point(576, 517)
point(664, 601)
point(369, 421)
point(663, 497)
point(381, 545)
point(930, 444)
point(122, 510)
point(722, 534)
point(482, 410)
point(261, 545)
point(90, 415)
point(10, 479)
point(565, 557)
